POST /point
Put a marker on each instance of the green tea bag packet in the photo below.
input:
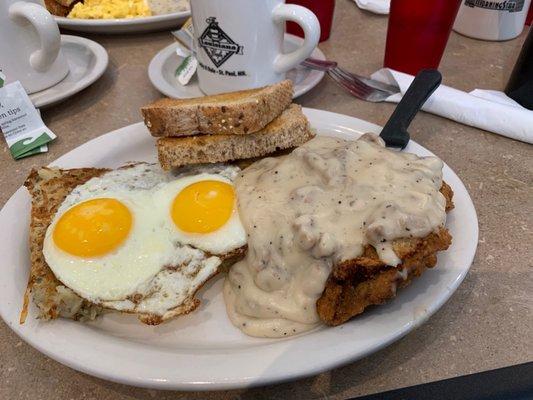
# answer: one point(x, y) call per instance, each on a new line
point(22, 126)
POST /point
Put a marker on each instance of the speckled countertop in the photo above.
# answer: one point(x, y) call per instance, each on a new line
point(487, 323)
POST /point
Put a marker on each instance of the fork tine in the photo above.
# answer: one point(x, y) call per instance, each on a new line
point(368, 94)
point(386, 88)
point(357, 90)
point(363, 90)
point(356, 81)
point(353, 81)
point(354, 91)
point(374, 90)
point(371, 93)
point(348, 81)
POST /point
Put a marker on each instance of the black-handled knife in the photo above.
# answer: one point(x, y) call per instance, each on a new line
point(394, 133)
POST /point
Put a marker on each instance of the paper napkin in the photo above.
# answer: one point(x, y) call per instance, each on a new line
point(490, 110)
point(375, 6)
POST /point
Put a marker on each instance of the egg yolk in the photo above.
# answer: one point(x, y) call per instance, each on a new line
point(203, 207)
point(93, 228)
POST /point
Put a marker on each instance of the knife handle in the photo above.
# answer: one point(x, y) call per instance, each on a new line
point(394, 133)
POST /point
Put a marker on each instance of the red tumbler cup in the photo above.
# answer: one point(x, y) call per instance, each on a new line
point(323, 10)
point(418, 32)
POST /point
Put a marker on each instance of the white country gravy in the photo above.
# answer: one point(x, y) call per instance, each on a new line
point(315, 207)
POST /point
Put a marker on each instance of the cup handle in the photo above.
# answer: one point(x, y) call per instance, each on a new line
point(311, 27)
point(46, 28)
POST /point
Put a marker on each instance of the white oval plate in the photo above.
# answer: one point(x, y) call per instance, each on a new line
point(124, 25)
point(203, 350)
point(87, 61)
point(162, 68)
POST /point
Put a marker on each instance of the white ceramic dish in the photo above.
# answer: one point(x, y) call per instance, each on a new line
point(203, 350)
point(163, 67)
point(87, 61)
point(125, 25)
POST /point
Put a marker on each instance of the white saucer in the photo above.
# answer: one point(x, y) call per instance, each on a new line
point(87, 61)
point(163, 66)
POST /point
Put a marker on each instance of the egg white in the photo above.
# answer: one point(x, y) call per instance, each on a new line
point(117, 274)
point(225, 239)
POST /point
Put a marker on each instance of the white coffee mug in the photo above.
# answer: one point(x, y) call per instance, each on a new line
point(491, 20)
point(239, 43)
point(30, 45)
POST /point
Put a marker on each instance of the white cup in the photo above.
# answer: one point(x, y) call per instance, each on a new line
point(491, 20)
point(30, 45)
point(239, 43)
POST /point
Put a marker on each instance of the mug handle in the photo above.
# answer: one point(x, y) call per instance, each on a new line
point(46, 28)
point(311, 27)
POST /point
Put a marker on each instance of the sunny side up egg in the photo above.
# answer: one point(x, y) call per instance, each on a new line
point(203, 212)
point(118, 239)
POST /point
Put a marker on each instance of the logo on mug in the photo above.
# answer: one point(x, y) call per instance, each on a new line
point(216, 43)
point(507, 5)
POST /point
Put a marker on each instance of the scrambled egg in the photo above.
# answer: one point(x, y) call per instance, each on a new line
point(105, 9)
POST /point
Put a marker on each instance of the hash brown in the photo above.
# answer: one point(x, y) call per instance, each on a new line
point(48, 188)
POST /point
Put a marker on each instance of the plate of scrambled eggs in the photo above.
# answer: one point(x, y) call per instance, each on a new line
point(119, 16)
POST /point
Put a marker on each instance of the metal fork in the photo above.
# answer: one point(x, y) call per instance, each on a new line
point(359, 86)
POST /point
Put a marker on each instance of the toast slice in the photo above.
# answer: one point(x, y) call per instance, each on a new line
point(48, 188)
point(289, 130)
point(236, 113)
point(56, 8)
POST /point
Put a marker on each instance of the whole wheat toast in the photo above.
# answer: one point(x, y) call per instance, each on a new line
point(289, 130)
point(48, 188)
point(235, 113)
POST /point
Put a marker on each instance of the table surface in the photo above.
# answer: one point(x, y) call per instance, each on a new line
point(486, 324)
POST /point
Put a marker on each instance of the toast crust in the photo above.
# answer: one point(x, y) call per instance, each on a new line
point(236, 113)
point(48, 188)
point(289, 130)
